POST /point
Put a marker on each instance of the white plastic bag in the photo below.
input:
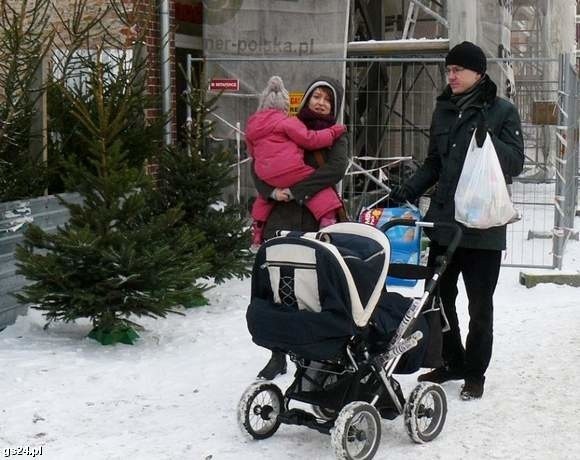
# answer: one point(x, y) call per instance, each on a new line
point(482, 199)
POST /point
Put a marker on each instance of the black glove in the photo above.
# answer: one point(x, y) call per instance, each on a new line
point(480, 133)
point(400, 194)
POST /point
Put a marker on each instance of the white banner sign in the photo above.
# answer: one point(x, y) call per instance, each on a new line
point(246, 30)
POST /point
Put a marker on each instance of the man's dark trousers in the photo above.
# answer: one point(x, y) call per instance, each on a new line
point(480, 271)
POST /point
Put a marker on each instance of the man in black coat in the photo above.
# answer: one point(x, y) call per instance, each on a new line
point(469, 103)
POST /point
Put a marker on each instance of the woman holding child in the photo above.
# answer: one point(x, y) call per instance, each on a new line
point(319, 110)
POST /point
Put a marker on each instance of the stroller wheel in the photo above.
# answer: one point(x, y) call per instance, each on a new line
point(425, 412)
point(357, 432)
point(259, 408)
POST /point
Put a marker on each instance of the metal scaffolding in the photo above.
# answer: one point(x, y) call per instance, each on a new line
point(393, 79)
point(384, 96)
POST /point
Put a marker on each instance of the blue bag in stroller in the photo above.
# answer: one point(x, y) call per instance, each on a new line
point(405, 241)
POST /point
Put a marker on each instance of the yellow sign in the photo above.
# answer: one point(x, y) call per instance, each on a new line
point(295, 98)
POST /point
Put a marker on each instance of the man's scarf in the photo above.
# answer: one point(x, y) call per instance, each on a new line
point(472, 97)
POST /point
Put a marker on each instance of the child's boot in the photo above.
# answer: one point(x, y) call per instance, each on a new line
point(327, 219)
point(257, 236)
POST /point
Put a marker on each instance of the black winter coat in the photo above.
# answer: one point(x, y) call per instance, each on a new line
point(294, 215)
point(450, 135)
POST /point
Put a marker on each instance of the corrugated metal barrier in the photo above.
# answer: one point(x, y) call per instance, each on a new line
point(46, 212)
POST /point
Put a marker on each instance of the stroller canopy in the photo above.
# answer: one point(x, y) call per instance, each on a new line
point(311, 291)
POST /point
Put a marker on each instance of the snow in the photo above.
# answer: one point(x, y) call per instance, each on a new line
point(174, 394)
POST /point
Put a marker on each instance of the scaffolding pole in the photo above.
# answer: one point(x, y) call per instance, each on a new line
point(566, 159)
point(410, 46)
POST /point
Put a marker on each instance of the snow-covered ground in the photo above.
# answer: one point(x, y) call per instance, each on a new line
point(174, 394)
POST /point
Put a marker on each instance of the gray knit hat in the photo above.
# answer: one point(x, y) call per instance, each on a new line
point(275, 96)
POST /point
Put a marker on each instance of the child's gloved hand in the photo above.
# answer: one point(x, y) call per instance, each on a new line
point(338, 130)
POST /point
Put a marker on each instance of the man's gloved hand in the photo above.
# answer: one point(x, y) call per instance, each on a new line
point(400, 193)
point(480, 133)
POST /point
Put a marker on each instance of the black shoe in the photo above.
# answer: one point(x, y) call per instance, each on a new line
point(441, 374)
point(276, 366)
point(473, 389)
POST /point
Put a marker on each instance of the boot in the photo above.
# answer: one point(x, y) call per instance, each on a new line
point(257, 235)
point(276, 366)
point(441, 374)
point(473, 389)
point(326, 220)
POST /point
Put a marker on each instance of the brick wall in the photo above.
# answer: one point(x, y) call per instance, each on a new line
point(149, 11)
point(153, 39)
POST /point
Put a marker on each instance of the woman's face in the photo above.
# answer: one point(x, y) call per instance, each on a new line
point(320, 101)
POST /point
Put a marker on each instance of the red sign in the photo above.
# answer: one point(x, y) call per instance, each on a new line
point(186, 12)
point(224, 84)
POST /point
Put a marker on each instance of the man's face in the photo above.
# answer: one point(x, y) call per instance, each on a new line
point(460, 79)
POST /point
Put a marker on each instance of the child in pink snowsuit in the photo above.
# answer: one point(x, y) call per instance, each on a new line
point(276, 142)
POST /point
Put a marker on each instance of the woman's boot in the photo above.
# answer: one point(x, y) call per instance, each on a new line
point(276, 366)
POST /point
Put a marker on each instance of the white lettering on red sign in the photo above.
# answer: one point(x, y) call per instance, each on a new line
point(224, 84)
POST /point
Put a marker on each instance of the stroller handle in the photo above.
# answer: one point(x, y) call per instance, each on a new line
point(442, 261)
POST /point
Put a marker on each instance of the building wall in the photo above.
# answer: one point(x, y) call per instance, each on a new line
point(148, 12)
point(154, 41)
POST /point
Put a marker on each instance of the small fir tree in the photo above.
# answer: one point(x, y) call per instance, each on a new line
point(116, 257)
point(194, 176)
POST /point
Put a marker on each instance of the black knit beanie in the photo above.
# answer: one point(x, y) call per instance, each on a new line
point(468, 56)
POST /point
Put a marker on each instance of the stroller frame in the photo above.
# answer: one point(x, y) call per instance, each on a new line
point(362, 381)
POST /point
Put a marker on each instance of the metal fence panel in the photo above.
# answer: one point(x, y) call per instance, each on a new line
point(46, 212)
point(388, 107)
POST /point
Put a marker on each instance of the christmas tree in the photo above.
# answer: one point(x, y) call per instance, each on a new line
point(117, 257)
point(194, 176)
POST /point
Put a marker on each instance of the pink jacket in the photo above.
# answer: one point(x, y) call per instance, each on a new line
point(277, 141)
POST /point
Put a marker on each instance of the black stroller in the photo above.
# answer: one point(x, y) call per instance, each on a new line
point(320, 298)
